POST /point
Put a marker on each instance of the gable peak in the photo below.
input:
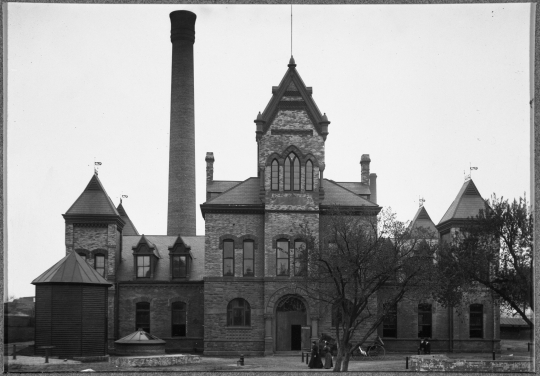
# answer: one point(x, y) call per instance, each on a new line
point(292, 63)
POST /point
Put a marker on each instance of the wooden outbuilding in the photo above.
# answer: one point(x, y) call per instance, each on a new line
point(71, 309)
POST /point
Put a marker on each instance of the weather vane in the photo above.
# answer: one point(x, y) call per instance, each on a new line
point(96, 164)
point(421, 201)
point(123, 196)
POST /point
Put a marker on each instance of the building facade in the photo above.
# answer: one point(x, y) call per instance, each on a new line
point(234, 289)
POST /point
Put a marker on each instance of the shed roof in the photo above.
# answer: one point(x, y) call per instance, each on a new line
point(357, 187)
point(336, 194)
point(513, 321)
point(93, 200)
point(71, 269)
point(244, 193)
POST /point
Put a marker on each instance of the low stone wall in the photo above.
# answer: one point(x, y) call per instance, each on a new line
point(154, 361)
point(443, 363)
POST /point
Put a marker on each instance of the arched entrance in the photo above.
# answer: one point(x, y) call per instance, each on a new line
point(290, 317)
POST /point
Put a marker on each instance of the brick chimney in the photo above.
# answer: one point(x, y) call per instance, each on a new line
point(209, 167)
point(373, 187)
point(181, 210)
point(364, 163)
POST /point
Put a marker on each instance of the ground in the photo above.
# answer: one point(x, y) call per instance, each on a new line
point(393, 362)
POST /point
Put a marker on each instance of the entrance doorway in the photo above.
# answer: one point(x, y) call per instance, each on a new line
point(290, 317)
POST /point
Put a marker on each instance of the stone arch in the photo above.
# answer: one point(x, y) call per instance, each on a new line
point(276, 156)
point(248, 237)
point(290, 290)
point(100, 251)
point(85, 252)
point(280, 236)
point(232, 237)
point(175, 299)
point(293, 149)
point(312, 158)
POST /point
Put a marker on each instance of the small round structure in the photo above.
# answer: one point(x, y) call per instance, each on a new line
point(140, 343)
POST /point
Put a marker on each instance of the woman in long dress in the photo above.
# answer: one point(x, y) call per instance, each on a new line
point(315, 361)
point(327, 356)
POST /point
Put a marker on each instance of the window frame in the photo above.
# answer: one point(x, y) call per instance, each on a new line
point(310, 170)
point(283, 240)
point(138, 266)
point(244, 258)
point(274, 175)
point(186, 267)
point(423, 312)
point(390, 326)
point(303, 259)
point(476, 327)
point(228, 241)
point(100, 256)
point(138, 310)
point(179, 310)
point(293, 175)
point(244, 310)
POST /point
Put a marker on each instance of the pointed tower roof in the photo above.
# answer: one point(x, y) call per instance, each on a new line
point(129, 228)
point(292, 93)
point(71, 269)
point(466, 205)
point(422, 219)
point(94, 201)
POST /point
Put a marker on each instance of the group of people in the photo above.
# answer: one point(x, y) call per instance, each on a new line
point(316, 356)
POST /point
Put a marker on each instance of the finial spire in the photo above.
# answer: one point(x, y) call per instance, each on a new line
point(292, 63)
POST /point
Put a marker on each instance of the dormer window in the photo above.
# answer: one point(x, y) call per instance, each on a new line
point(181, 259)
point(146, 257)
point(291, 173)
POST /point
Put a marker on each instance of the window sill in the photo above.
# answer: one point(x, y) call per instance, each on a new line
point(239, 327)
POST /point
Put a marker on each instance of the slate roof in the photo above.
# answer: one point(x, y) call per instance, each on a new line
point(356, 187)
point(129, 227)
point(71, 269)
point(513, 321)
point(220, 186)
point(335, 194)
point(144, 240)
point(244, 193)
point(467, 203)
point(422, 219)
point(126, 270)
point(93, 200)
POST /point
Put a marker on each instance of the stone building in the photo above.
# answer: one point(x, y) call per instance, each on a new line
point(233, 290)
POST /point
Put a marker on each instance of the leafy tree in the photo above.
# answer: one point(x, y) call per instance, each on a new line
point(493, 250)
point(360, 267)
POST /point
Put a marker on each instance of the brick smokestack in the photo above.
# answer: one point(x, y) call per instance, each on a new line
point(373, 187)
point(209, 167)
point(364, 163)
point(182, 210)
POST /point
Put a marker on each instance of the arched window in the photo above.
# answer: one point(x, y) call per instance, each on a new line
point(178, 319)
point(275, 175)
point(142, 316)
point(300, 258)
point(476, 321)
point(282, 257)
point(238, 313)
point(228, 258)
point(99, 264)
point(309, 176)
point(248, 258)
point(424, 320)
point(291, 173)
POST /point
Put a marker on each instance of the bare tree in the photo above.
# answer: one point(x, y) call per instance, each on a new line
point(360, 266)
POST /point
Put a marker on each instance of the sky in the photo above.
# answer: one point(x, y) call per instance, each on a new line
point(426, 90)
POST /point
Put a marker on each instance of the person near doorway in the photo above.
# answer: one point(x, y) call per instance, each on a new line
point(327, 356)
point(315, 361)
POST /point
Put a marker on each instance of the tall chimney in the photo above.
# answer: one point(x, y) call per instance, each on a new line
point(373, 187)
point(181, 210)
point(364, 163)
point(209, 167)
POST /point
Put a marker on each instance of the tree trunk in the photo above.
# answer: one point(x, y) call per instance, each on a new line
point(339, 358)
point(345, 364)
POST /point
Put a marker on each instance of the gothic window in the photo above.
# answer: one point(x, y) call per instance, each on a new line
point(300, 258)
point(309, 176)
point(142, 316)
point(238, 313)
point(228, 258)
point(178, 319)
point(390, 321)
point(282, 255)
point(179, 266)
point(424, 320)
point(143, 266)
point(291, 173)
point(275, 175)
point(476, 321)
point(99, 264)
point(248, 258)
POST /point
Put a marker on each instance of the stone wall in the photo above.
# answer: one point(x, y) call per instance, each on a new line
point(442, 363)
point(161, 297)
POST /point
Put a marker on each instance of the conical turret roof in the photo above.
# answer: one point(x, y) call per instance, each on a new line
point(71, 269)
point(422, 219)
point(467, 203)
point(94, 201)
point(129, 227)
